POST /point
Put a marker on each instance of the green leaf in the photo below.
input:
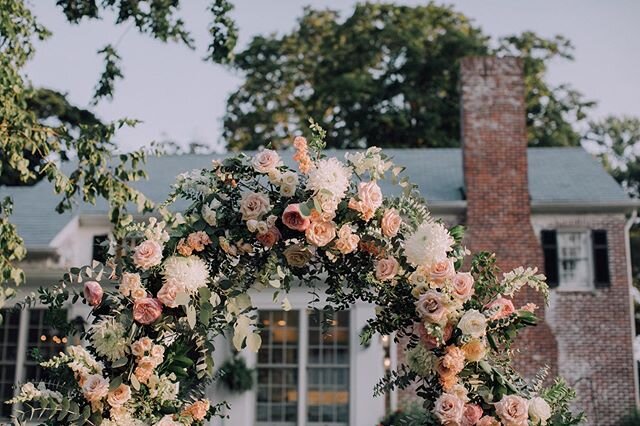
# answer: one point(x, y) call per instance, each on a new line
point(120, 362)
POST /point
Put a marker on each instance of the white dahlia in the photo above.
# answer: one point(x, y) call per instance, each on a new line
point(428, 245)
point(329, 174)
point(108, 337)
point(190, 273)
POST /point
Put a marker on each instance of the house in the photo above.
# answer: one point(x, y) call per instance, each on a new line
point(555, 208)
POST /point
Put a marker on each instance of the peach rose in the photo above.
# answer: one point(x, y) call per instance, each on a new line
point(453, 360)
point(463, 286)
point(513, 410)
point(119, 396)
point(429, 341)
point(321, 233)
point(347, 241)
point(387, 269)
point(504, 308)
point(369, 199)
point(449, 409)
point(147, 254)
point(472, 413)
point(157, 353)
point(197, 410)
point(431, 307)
point(93, 293)
point(138, 293)
point(390, 223)
point(292, 218)
point(184, 248)
point(198, 240)
point(95, 388)
point(297, 255)
point(141, 346)
point(266, 161)
point(144, 369)
point(129, 282)
point(167, 294)
point(474, 350)
point(269, 238)
point(488, 421)
point(254, 205)
point(442, 271)
point(146, 310)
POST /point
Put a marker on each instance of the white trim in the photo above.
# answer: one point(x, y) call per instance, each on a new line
point(303, 350)
point(572, 288)
point(627, 247)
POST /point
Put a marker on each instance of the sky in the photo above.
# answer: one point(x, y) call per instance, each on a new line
point(179, 97)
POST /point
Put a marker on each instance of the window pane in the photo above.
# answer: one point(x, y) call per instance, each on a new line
point(573, 259)
point(328, 370)
point(277, 369)
point(45, 339)
point(8, 350)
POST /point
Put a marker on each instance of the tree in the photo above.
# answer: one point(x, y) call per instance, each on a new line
point(617, 141)
point(39, 129)
point(386, 76)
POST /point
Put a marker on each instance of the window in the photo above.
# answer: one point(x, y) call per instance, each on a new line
point(20, 333)
point(100, 251)
point(576, 260)
point(303, 374)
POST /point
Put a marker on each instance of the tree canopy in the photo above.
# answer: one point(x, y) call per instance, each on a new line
point(388, 76)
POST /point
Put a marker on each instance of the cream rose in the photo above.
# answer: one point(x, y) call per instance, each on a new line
point(539, 411)
point(119, 396)
point(95, 388)
point(254, 205)
point(473, 323)
point(266, 161)
point(147, 254)
point(321, 233)
point(390, 223)
point(387, 269)
point(449, 409)
point(442, 271)
point(463, 286)
point(513, 410)
point(129, 282)
point(431, 307)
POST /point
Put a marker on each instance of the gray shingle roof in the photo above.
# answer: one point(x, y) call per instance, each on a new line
point(557, 176)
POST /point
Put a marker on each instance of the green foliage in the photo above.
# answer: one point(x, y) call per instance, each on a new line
point(413, 415)
point(111, 72)
point(559, 396)
point(631, 419)
point(387, 76)
point(617, 140)
point(236, 376)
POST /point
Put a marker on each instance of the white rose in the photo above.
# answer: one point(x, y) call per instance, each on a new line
point(473, 324)
point(289, 179)
point(209, 214)
point(539, 411)
point(287, 191)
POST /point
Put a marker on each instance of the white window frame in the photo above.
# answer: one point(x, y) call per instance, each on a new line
point(570, 287)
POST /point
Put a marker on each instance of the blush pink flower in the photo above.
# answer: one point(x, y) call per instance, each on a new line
point(368, 201)
point(488, 421)
point(95, 388)
point(197, 410)
point(513, 410)
point(93, 293)
point(347, 241)
point(254, 205)
point(198, 240)
point(441, 271)
point(147, 254)
point(504, 308)
point(449, 409)
point(266, 161)
point(472, 413)
point(167, 294)
point(146, 310)
point(431, 307)
point(292, 218)
point(432, 342)
point(387, 268)
point(463, 286)
point(390, 223)
point(321, 233)
point(269, 238)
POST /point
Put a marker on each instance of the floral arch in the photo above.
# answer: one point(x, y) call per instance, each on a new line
point(254, 222)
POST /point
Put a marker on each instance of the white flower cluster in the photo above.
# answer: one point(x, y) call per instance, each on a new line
point(428, 245)
point(155, 231)
point(108, 338)
point(190, 273)
point(513, 281)
point(329, 175)
point(370, 161)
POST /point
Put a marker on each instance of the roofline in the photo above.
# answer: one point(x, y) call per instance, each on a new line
point(626, 206)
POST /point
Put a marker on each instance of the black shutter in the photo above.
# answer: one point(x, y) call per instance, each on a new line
point(100, 251)
point(550, 250)
point(600, 258)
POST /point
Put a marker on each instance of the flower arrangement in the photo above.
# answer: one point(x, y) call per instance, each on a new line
point(256, 223)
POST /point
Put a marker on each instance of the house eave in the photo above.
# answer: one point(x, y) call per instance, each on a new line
point(543, 207)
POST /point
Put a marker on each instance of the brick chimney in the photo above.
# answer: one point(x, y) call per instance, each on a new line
point(498, 217)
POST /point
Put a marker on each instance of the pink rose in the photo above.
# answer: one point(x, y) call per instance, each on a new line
point(321, 233)
point(488, 421)
point(513, 410)
point(472, 413)
point(254, 205)
point(369, 199)
point(266, 161)
point(463, 286)
point(167, 294)
point(119, 396)
point(347, 241)
point(431, 307)
point(269, 238)
point(293, 219)
point(146, 310)
point(449, 409)
point(441, 271)
point(93, 293)
point(429, 341)
point(504, 308)
point(387, 269)
point(147, 255)
point(390, 223)
point(95, 388)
